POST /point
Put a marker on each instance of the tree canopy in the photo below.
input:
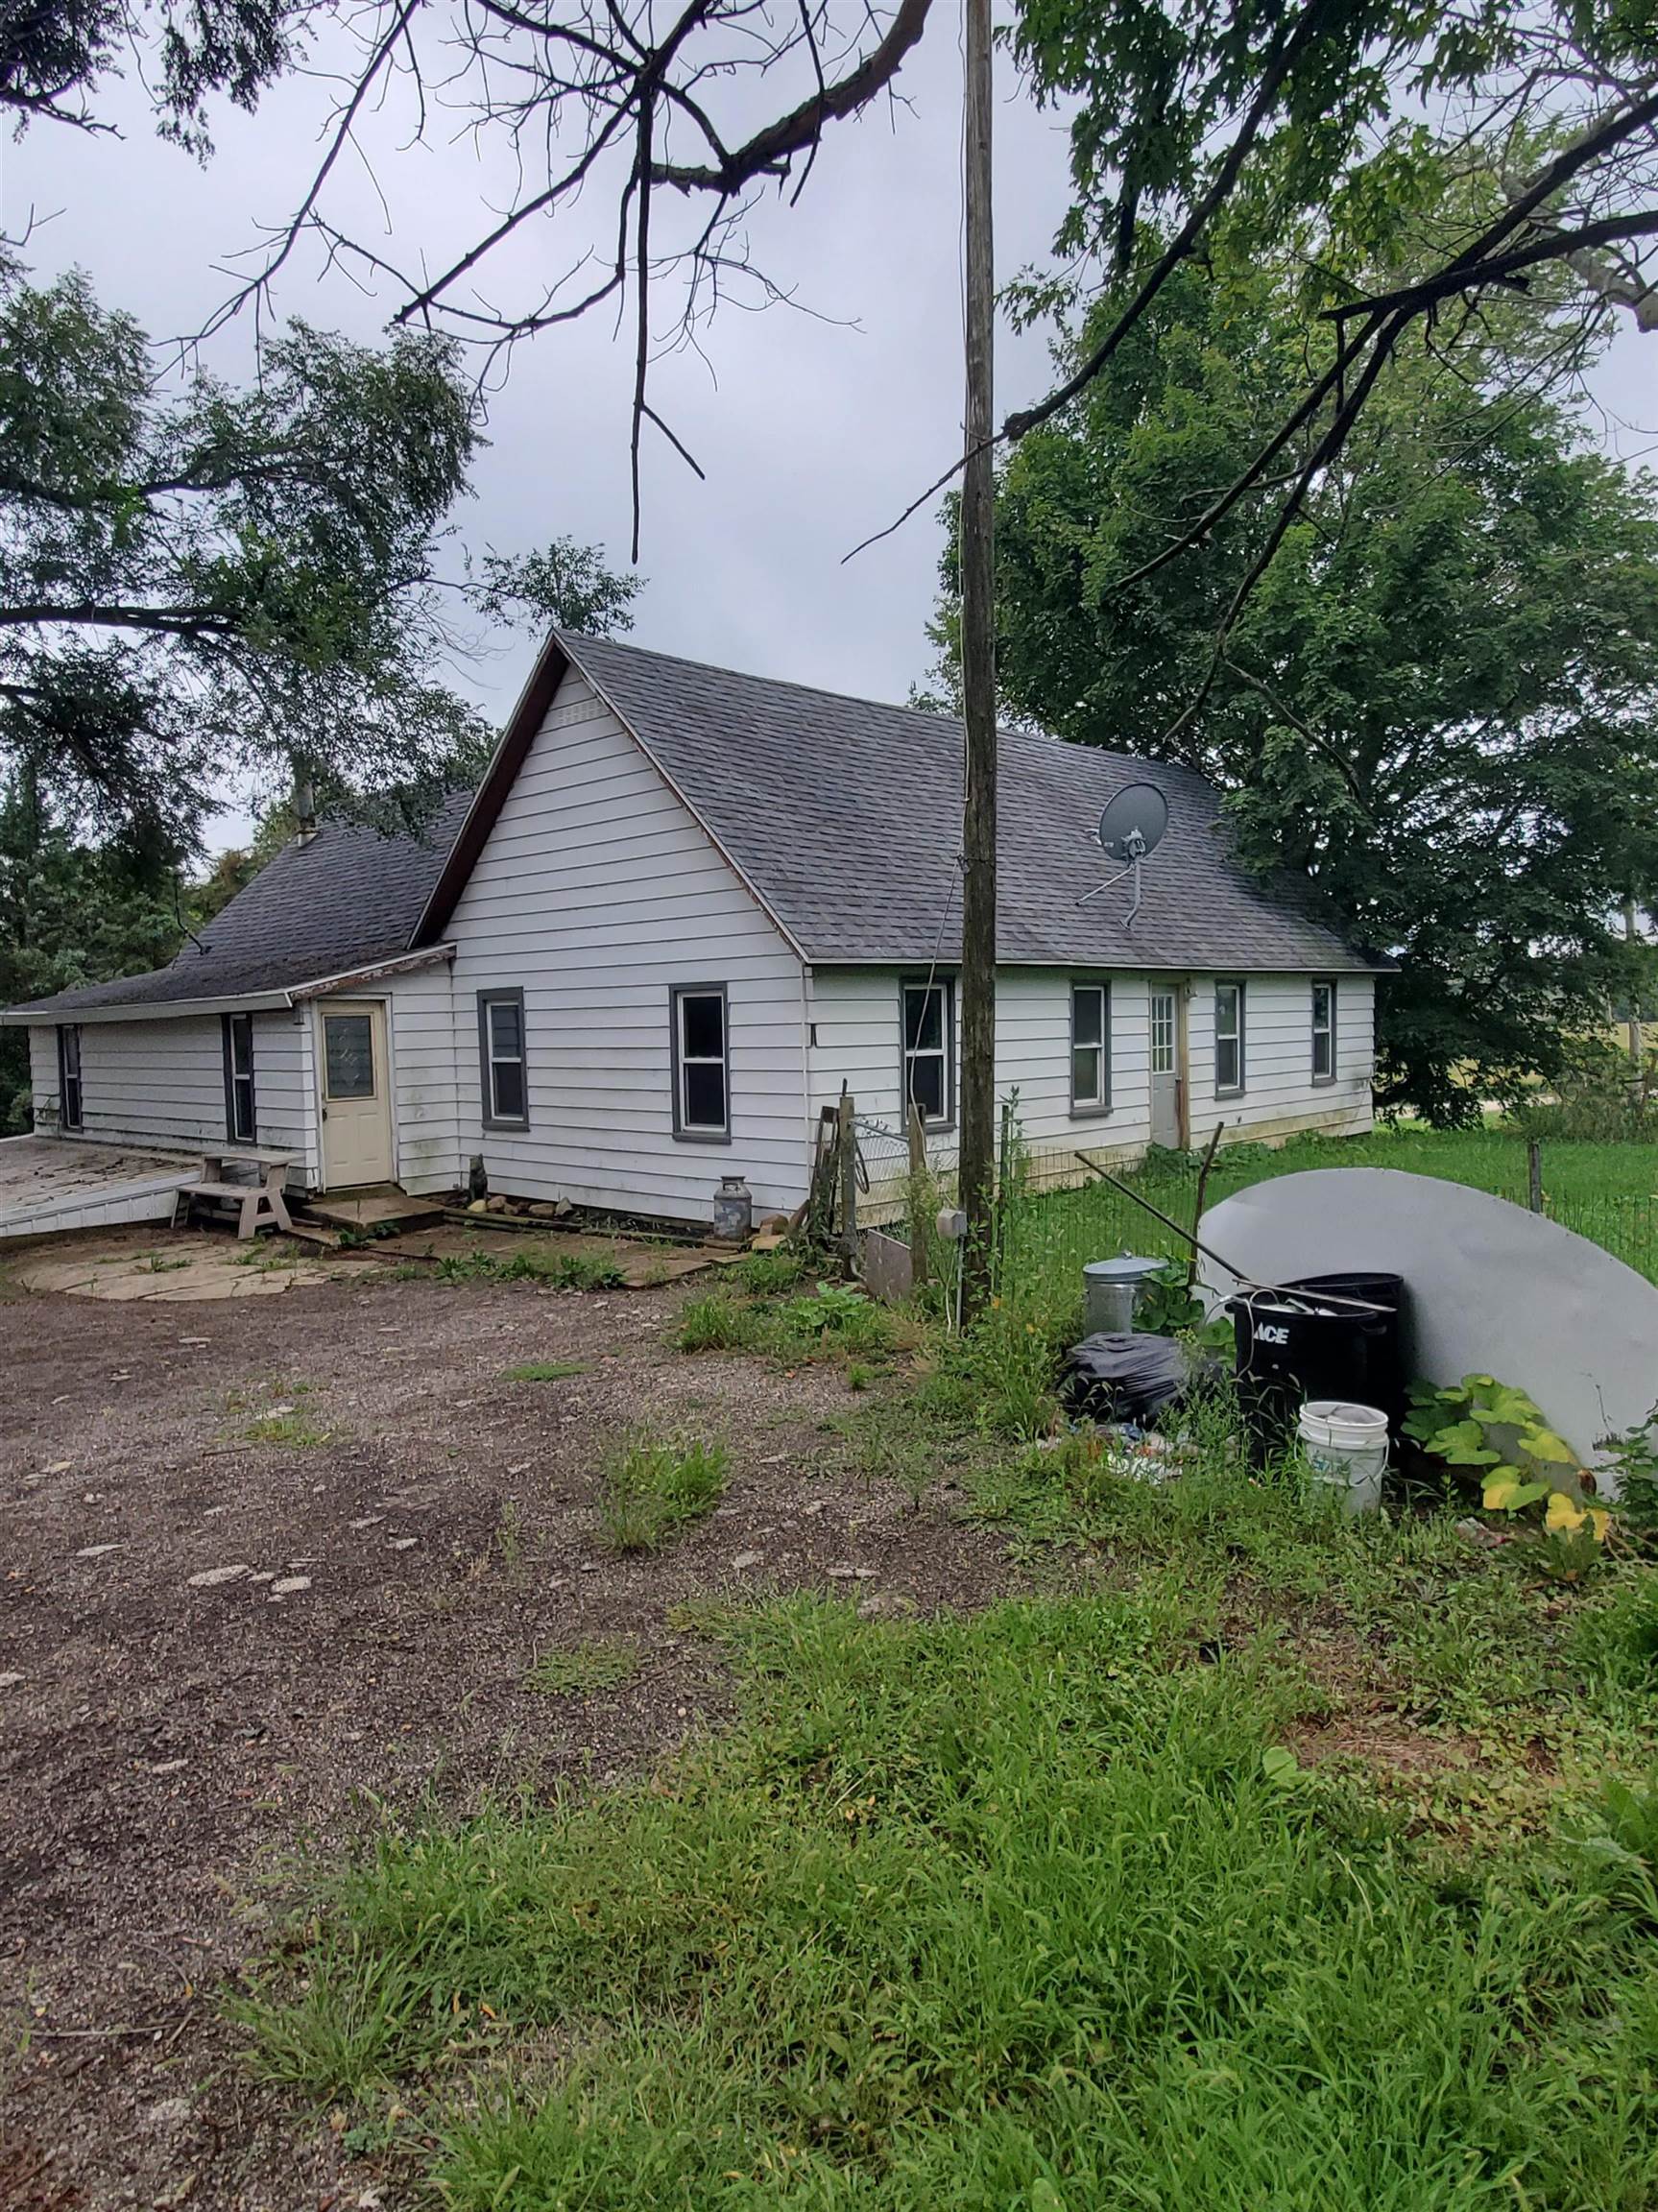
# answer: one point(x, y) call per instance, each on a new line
point(213, 579)
point(1440, 706)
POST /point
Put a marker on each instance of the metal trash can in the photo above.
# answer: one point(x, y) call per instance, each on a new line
point(1109, 1288)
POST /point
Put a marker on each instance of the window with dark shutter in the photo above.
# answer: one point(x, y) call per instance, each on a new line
point(1090, 1047)
point(240, 1123)
point(702, 1096)
point(503, 1070)
point(929, 1052)
point(1228, 1039)
point(1323, 1031)
point(71, 1102)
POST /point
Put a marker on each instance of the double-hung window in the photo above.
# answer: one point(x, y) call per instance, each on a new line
point(929, 1039)
point(70, 1102)
point(1323, 1030)
point(239, 1116)
point(1090, 1047)
point(503, 1076)
point(702, 1072)
point(1228, 1039)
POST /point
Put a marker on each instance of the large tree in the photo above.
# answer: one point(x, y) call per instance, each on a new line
point(199, 579)
point(1440, 705)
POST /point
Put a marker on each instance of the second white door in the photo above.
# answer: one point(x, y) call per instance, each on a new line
point(356, 1095)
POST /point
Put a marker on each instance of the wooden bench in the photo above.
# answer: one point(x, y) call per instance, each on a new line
point(261, 1203)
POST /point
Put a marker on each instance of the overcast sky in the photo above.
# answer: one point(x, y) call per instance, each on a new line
point(820, 428)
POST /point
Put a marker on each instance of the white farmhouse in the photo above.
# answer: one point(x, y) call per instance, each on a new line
point(682, 908)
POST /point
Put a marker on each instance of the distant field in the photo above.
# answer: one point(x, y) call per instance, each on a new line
point(1605, 1191)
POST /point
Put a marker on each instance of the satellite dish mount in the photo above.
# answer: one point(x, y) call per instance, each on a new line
point(1131, 829)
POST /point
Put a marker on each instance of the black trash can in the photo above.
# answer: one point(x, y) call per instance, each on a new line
point(1290, 1348)
point(1385, 1328)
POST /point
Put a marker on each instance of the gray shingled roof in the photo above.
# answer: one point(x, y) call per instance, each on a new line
point(842, 814)
point(845, 816)
point(349, 898)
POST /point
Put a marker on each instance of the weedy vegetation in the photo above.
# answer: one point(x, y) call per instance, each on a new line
point(652, 1488)
point(545, 1371)
point(553, 1270)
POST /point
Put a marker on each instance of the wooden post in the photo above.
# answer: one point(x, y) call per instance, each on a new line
point(1204, 1165)
point(1004, 1168)
point(918, 1228)
point(1534, 1174)
point(1637, 1042)
point(977, 1170)
point(846, 1138)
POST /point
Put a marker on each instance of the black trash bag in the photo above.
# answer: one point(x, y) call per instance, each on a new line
point(1130, 1377)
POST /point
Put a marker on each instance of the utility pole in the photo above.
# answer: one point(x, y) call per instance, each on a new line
point(978, 1155)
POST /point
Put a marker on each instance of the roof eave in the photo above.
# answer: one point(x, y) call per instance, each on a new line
point(43, 1013)
point(279, 998)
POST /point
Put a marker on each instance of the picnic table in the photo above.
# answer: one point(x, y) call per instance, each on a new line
point(259, 1200)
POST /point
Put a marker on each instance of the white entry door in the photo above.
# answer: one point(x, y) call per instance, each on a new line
point(356, 1095)
point(1165, 1067)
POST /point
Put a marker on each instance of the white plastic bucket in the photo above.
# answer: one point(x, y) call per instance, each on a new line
point(1346, 1447)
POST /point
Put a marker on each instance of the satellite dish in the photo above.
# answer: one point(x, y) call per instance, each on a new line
point(1133, 822)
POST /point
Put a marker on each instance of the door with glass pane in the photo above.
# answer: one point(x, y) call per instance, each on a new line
point(356, 1095)
point(1165, 1067)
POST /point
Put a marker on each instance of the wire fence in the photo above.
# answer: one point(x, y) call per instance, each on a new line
point(1057, 1216)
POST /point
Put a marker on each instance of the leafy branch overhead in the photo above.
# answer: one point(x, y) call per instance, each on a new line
point(611, 102)
point(218, 579)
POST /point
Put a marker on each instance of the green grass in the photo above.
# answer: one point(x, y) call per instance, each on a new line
point(1607, 1192)
point(652, 1488)
point(545, 1371)
point(1031, 1910)
point(582, 1669)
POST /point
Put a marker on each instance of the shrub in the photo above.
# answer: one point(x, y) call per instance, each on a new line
point(653, 1486)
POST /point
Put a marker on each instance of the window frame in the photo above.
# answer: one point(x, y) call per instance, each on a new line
point(65, 1121)
point(1324, 983)
point(686, 1131)
point(1240, 1033)
point(234, 1077)
point(946, 985)
point(487, 1059)
point(1090, 1109)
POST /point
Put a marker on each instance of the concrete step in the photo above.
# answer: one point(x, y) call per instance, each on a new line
point(377, 1208)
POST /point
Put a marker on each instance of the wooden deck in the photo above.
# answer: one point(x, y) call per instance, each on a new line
point(52, 1183)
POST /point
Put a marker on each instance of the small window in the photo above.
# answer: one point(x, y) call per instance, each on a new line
point(929, 1035)
point(1324, 1032)
point(702, 1100)
point(239, 1118)
point(1090, 1047)
point(69, 1096)
point(347, 1056)
point(1228, 1039)
point(503, 1076)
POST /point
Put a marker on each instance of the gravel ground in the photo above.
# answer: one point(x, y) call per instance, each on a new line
point(215, 1652)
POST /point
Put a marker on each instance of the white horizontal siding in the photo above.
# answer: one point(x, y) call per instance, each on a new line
point(855, 1026)
point(421, 1010)
point(1279, 1093)
point(597, 892)
point(164, 1082)
point(43, 1076)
